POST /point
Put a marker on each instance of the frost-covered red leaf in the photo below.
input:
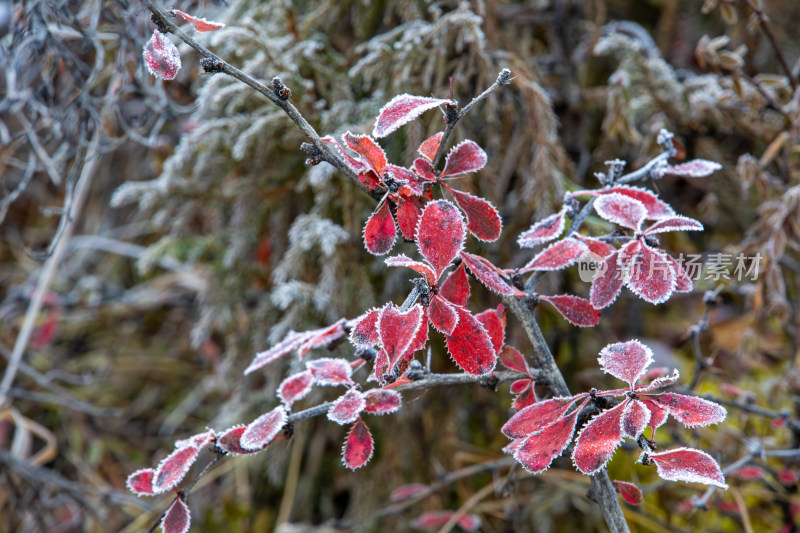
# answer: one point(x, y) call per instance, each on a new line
point(494, 322)
point(543, 231)
point(173, 468)
point(408, 213)
point(397, 330)
point(295, 387)
point(431, 520)
point(749, 473)
point(358, 446)
point(442, 315)
point(634, 418)
point(627, 361)
point(177, 518)
point(141, 482)
point(161, 57)
point(607, 282)
point(536, 417)
point(330, 372)
point(676, 223)
point(413, 186)
point(402, 109)
point(525, 398)
point(372, 154)
point(347, 407)
point(424, 169)
point(465, 157)
point(230, 441)
point(621, 209)
point(382, 401)
point(430, 146)
point(578, 311)
point(487, 273)
point(261, 431)
point(537, 451)
point(687, 464)
point(651, 276)
point(557, 256)
point(456, 287)
point(630, 492)
point(598, 440)
point(655, 207)
point(513, 360)
point(380, 231)
point(440, 234)
point(354, 164)
point(405, 492)
point(697, 168)
point(658, 414)
point(302, 342)
point(199, 24)
point(690, 410)
point(596, 246)
point(483, 221)
point(404, 261)
point(519, 386)
point(470, 345)
point(365, 330)
point(196, 441)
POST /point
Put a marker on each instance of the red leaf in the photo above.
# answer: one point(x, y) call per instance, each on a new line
point(627, 361)
point(177, 518)
point(494, 322)
point(655, 207)
point(519, 386)
point(405, 492)
point(404, 261)
point(749, 473)
point(576, 310)
point(295, 387)
point(537, 451)
point(442, 315)
point(543, 231)
point(621, 209)
point(414, 186)
point(173, 468)
point(198, 441)
point(161, 57)
point(464, 157)
point(697, 168)
point(382, 401)
point(607, 282)
point(557, 256)
point(488, 274)
point(292, 341)
point(690, 410)
point(365, 330)
point(141, 482)
point(676, 223)
point(526, 398)
point(330, 372)
point(354, 164)
point(634, 418)
point(651, 276)
point(630, 492)
point(440, 234)
point(482, 218)
point(658, 414)
point(598, 440)
point(408, 213)
point(347, 407)
point(264, 429)
point(536, 417)
point(596, 246)
point(659, 383)
point(470, 345)
point(402, 109)
point(430, 146)
point(200, 24)
point(513, 360)
point(432, 519)
point(372, 154)
point(397, 330)
point(686, 464)
point(380, 231)
point(424, 169)
point(230, 441)
point(469, 522)
point(358, 447)
point(456, 287)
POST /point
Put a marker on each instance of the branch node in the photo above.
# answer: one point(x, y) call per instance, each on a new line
point(281, 89)
point(504, 78)
point(211, 65)
point(161, 24)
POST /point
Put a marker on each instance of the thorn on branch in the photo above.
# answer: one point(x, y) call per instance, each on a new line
point(211, 65)
point(281, 89)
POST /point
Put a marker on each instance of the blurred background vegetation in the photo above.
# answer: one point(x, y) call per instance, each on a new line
point(204, 238)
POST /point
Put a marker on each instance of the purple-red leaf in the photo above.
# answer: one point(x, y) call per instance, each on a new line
point(686, 464)
point(537, 451)
point(161, 57)
point(199, 24)
point(405, 492)
point(630, 492)
point(543, 231)
point(330, 372)
point(487, 273)
point(690, 410)
point(627, 361)
point(141, 482)
point(470, 345)
point(464, 157)
point(456, 287)
point(424, 169)
point(634, 419)
point(655, 207)
point(173, 468)
point(397, 330)
point(440, 234)
point(177, 518)
point(607, 282)
point(408, 213)
point(380, 231)
point(697, 168)
point(372, 154)
point(402, 109)
point(651, 276)
point(536, 417)
point(525, 398)
point(196, 441)
point(302, 342)
point(483, 221)
point(365, 329)
point(519, 386)
point(442, 315)
point(676, 223)
point(295, 387)
point(557, 256)
point(621, 209)
point(404, 261)
point(264, 429)
point(513, 360)
point(596, 246)
point(358, 446)
point(414, 186)
point(347, 407)
point(683, 283)
point(660, 382)
point(431, 520)
point(598, 440)
point(576, 310)
point(494, 322)
point(658, 414)
point(354, 164)
point(430, 146)
point(230, 441)
point(382, 401)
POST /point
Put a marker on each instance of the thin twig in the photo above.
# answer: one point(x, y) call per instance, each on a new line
point(767, 29)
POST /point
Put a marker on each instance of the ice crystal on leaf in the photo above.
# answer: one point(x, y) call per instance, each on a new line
point(141, 482)
point(483, 221)
point(173, 468)
point(330, 372)
point(347, 407)
point(400, 110)
point(380, 231)
point(302, 342)
point(463, 158)
point(382, 401)
point(543, 231)
point(295, 387)
point(687, 464)
point(264, 429)
point(161, 57)
point(697, 168)
point(557, 256)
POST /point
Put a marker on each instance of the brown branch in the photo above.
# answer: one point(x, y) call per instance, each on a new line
point(763, 21)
